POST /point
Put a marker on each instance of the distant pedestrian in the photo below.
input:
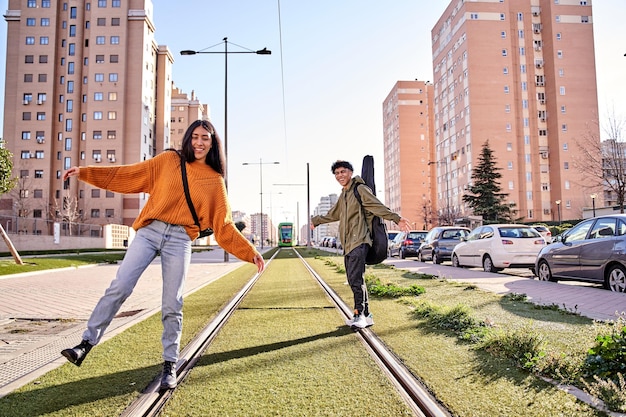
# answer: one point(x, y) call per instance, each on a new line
point(166, 227)
point(354, 234)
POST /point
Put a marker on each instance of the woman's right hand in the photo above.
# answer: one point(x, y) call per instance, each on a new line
point(72, 172)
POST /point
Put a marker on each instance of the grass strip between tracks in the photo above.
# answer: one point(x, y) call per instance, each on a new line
point(286, 352)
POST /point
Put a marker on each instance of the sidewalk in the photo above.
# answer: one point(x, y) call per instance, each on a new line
point(574, 296)
point(45, 312)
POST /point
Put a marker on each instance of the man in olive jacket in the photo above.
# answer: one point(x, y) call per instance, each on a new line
point(354, 220)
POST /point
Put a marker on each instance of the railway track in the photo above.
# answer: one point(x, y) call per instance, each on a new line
point(152, 399)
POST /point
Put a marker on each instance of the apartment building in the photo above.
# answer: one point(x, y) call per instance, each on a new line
point(184, 111)
point(409, 155)
point(86, 84)
point(521, 75)
point(327, 229)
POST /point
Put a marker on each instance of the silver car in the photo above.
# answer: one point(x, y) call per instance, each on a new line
point(593, 251)
point(439, 243)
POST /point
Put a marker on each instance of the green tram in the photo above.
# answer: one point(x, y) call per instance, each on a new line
point(285, 234)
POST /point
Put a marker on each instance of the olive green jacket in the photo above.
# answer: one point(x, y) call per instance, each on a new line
point(355, 221)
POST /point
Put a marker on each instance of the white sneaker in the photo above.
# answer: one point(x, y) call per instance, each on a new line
point(369, 319)
point(357, 322)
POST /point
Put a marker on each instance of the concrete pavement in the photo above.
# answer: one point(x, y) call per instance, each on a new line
point(588, 300)
point(45, 312)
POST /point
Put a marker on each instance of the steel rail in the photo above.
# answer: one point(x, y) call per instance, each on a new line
point(151, 401)
point(411, 389)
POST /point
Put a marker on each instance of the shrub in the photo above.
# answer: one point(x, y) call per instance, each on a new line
point(608, 357)
point(523, 346)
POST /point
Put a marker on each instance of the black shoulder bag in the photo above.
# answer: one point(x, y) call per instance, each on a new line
point(203, 233)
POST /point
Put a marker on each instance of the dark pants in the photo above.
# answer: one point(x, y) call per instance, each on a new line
point(355, 271)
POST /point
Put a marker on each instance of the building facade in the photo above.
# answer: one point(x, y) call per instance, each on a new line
point(326, 229)
point(408, 132)
point(185, 110)
point(521, 75)
point(86, 84)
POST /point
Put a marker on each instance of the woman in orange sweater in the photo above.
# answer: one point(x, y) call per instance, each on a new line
point(166, 226)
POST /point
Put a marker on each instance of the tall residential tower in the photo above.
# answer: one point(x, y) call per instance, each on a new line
point(521, 75)
point(86, 84)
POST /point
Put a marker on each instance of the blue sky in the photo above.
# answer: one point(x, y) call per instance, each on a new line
point(318, 97)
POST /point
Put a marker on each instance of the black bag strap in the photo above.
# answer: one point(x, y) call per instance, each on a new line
point(183, 170)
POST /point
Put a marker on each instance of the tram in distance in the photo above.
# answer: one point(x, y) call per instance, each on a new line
point(285, 234)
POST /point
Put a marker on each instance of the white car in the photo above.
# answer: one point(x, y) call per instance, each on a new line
point(497, 246)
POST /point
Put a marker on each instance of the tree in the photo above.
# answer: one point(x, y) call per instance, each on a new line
point(603, 163)
point(7, 182)
point(485, 195)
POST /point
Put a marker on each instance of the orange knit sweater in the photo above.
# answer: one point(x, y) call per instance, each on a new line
point(161, 178)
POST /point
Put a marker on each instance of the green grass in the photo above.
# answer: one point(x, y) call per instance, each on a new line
point(32, 264)
point(468, 379)
point(287, 352)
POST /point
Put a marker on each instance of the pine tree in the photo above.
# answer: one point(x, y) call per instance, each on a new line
point(485, 195)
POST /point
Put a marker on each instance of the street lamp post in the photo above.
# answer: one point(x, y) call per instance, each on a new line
point(260, 164)
point(558, 209)
point(593, 203)
point(263, 51)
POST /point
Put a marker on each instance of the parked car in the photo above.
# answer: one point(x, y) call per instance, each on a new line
point(407, 244)
point(499, 246)
point(439, 243)
point(592, 251)
point(391, 235)
point(544, 231)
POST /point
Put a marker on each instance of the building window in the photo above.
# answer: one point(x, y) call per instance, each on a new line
point(26, 135)
point(520, 17)
point(69, 106)
point(584, 19)
point(505, 70)
point(43, 59)
point(28, 78)
point(101, 21)
point(99, 77)
point(109, 212)
point(97, 115)
point(116, 3)
point(111, 155)
point(37, 193)
point(99, 59)
point(115, 21)
point(102, 3)
point(566, 165)
point(115, 40)
point(112, 96)
point(71, 50)
point(111, 134)
point(96, 155)
point(504, 52)
point(98, 96)
point(507, 108)
point(112, 115)
point(68, 126)
point(30, 40)
point(44, 40)
point(97, 134)
point(39, 173)
point(40, 135)
point(564, 127)
point(114, 59)
point(29, 59)
point(45, 4)
point(511, 185)
point(474, 16)
point(563, 109)
point(109, 194)
point(558, 36)
point(95, 213)
point(100, 40)
point(31, 4)
point(39, 155)
point(113, 77)
point(70, 86)
point(95, 193)
point(72, 31)
point(506, 89)
point(31, 21)
point(42, 78)
point(562, 90)
point(70, 68)
point(503, 34)
point(509, 165)
point(26, 115)
point(41, 115)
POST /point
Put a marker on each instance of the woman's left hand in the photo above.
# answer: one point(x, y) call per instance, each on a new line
point(259, 262)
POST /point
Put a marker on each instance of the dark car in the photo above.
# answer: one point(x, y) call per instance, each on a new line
point(439, 243)
point(593, 251)
point(407, 244)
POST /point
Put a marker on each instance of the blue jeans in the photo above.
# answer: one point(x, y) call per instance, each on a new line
point(174, 245)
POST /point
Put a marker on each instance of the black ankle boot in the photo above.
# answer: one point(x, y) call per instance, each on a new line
point(168, 379)
point(77, 354)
